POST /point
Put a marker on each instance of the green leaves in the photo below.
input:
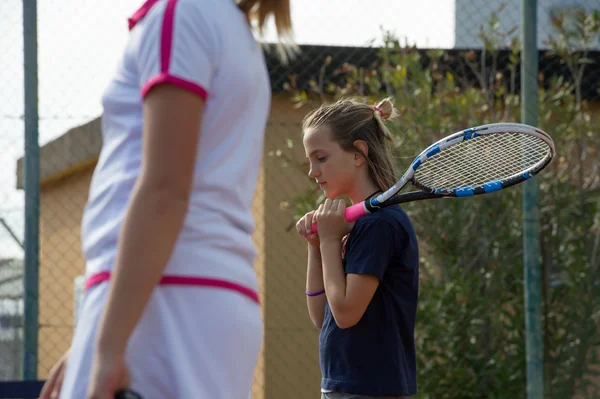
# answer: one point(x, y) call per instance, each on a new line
point(470, 327)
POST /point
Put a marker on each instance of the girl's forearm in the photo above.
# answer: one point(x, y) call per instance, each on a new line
point(314, 275)
point(314, 285)
point(334, 277)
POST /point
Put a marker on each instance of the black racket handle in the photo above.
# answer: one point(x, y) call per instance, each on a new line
point(127, 394)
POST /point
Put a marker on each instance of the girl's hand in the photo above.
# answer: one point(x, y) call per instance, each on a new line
point(304, 228)
point(109, 375)
point(330, 220)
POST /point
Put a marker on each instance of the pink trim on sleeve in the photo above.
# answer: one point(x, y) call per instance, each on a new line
point(166, 45)
point(140, 13)
point(166, 36)
point(166, 78)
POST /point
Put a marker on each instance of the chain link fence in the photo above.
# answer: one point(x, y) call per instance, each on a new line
point(459, 69)
point(11, 201)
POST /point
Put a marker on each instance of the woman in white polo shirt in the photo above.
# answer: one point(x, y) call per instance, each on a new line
point(171, 306)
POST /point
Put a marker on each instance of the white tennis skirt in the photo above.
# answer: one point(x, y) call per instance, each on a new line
point(192, 342)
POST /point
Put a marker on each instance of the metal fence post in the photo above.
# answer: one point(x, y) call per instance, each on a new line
point(32, 190)
point(531, 211)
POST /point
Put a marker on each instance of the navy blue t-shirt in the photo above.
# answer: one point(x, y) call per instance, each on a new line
point(376, 356)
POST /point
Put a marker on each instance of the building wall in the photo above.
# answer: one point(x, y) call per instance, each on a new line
point(291, 352)
point(289, 357)
point(471, 15)
point(61, 260)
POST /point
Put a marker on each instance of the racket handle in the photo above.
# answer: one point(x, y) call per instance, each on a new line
point(127, 394)
point(352, 214)
point(314, 228)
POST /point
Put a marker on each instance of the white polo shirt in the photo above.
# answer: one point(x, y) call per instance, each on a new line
point(207, 47)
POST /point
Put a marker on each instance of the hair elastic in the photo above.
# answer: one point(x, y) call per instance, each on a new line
point(378, 110)
point(315, 293)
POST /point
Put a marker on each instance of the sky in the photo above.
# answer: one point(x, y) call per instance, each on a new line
point(79, 42)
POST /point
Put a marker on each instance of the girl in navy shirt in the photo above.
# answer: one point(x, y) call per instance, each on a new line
point(362, 278)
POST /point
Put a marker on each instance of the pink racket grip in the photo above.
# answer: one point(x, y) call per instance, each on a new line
point(352, 214)
point(314, 228)
point(355, 212)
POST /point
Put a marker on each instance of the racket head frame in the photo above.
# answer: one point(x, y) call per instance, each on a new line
point(387, 197)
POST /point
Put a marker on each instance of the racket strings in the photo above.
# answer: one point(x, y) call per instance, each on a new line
point(482, 160)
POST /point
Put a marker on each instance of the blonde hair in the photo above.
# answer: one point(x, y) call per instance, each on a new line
point(350, 120)
point(260, 10)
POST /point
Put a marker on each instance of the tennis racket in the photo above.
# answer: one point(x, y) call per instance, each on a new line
point(475, 161)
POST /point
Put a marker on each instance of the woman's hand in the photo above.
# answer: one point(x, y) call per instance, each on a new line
point(109, 375)
point(52, 386)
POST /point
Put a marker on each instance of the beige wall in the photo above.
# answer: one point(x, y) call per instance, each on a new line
point(291, 352)
point(288, 365)
point(61, 207)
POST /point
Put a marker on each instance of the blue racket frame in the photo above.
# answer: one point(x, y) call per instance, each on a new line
point(390, 197)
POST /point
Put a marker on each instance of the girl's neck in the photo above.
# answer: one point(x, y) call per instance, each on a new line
point(363, 191)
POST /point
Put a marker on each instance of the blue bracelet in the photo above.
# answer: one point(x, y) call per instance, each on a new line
point(315, 293)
